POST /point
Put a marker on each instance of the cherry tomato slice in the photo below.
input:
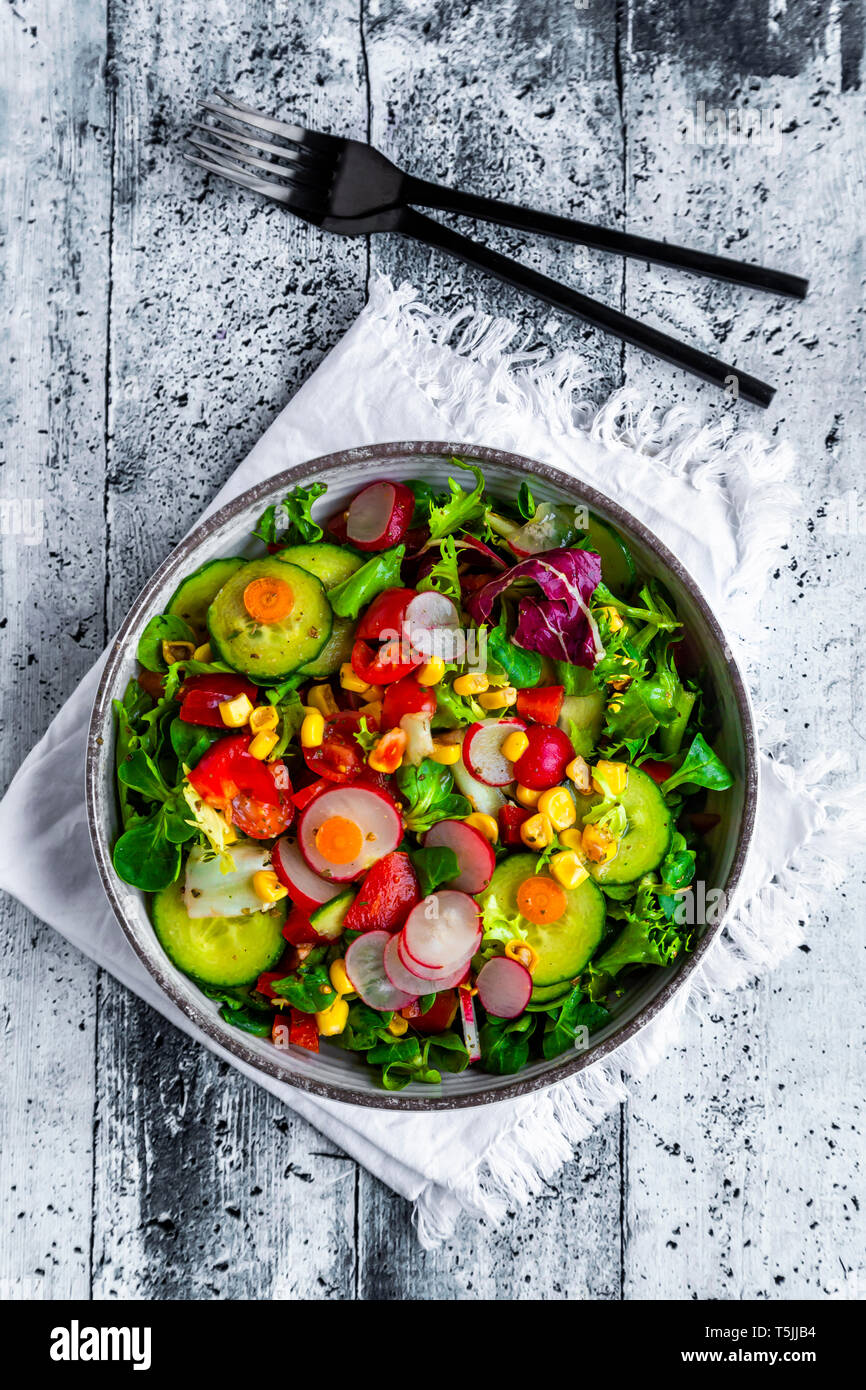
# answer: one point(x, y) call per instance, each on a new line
point(262, 820)
point(390, 663)
point(383, 620)
point(339, 757)
point(406, 697)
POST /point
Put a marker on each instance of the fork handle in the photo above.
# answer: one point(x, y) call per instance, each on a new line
point(420, 228)
point(431, 195)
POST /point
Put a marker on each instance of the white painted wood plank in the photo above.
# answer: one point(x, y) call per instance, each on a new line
point(221, 306)
point(743, 1147)
point(54, 192)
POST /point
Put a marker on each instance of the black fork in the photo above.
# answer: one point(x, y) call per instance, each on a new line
point(348, 187)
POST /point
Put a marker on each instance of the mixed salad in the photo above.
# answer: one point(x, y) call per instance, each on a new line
point(427, 780)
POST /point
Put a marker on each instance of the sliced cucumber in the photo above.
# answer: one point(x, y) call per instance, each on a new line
point(195, 594)
point(329, 563)
point(328, 919)
point(646, 841)
point(544, 996)
point(563, 947)
point(217, 950)
point(617, 567)
point(270, 651)
point(582, 718)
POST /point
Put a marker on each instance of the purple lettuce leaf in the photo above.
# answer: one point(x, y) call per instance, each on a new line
point(559, 625)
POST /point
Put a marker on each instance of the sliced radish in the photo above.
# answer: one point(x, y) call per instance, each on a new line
point(345, 829)
point(483, 797)
point(379, 515)
point(429, 980)
point(306, 890)
point(365, 967)
point(432, 626)
point(474, 854)
point(504, 986)
point(209, 892)
point(482, 750)
point(442, 931)
point(470, 1027)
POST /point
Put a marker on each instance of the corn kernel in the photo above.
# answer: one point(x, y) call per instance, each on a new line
point(615, 706)
point(614, 619)
point(445, 753)
point(333, 1020)
point(514, 746)
point(615, 776)
point(498, 699)
point(431, 672)
point(537, 832)
point(267, 886)
point(338, 977)
point(263, 744)
point(598, 845)
point(203, 653)
point(312, 730)
point(264, 719)
point(522, 951)
point(484, 824)
point(372, 710)
point(527, 796)
point(177, 651)
point(474, 683)
point(567, 869)
point(558, 805)
point(321, 697)
point(578, 772)
point(398, 1026)
point(573, 839)
point(350, 681)
point(235, 713)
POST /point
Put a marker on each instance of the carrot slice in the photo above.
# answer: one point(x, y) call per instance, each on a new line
point(541, 899)
point(339, 840)
point(268, 600)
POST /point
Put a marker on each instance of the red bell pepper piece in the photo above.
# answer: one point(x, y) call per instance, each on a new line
point(303, 1031)
point(541, 704)
point(391, 662)
point(440, 1015)
point(305, 795)
point(227, 768)
point(298, 930)
point(383, 620)
point(388, 892)
point(406, 697)
point(201, 697)
point(511, 818)
point(659, 772)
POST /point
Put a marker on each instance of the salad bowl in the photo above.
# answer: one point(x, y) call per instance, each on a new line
point(342, 1074)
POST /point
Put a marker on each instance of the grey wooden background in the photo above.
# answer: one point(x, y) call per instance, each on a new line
point(153, 327)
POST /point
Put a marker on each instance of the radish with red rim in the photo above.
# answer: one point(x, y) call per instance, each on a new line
point(306, 889)
point(475, 856)
point(504, 987)
point(379, 516)
point(482, 797)
point(427, 980)
point(365, 967)
point(442, 931)
point(431, 626)
point(482, 750)
point(345, 829)
point(470, 1025)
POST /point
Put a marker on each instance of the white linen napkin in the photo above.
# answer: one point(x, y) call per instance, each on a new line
point(716, 496)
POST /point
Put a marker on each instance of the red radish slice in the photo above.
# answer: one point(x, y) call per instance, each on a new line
point(442, 931)
point(365, 967)
point(379, 516)
point(504, 987)
point(470, 1026)
point(366, 813)
point(474, 854)
point(397, 973)
point(306, 890)
point(424, 981)
point(483, 797)
point(482, 750)
point(432, 626)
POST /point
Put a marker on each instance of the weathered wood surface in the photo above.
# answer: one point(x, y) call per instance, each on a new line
point(154, 329)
